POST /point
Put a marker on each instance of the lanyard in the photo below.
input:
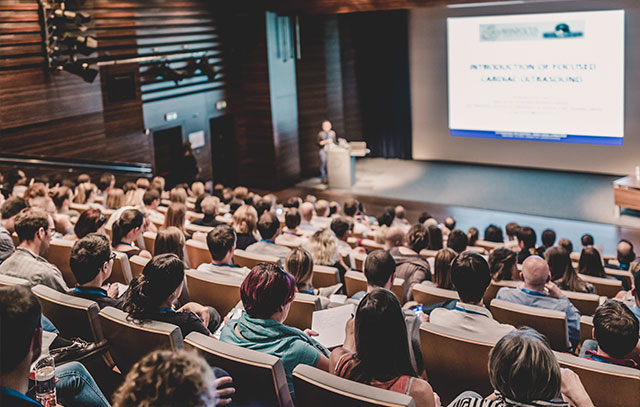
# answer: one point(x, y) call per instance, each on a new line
point(167, 309)
point(267, 241)
point(82, 290)
point(466, 311)
point(531, 292)
point(225, 265)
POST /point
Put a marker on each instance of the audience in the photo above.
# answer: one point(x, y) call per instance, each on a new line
point(176, 216)
point(527, 243)
point(151, 202)
point(91, 221)
point(8, 213)
point(473, 234)
point(381, 357)
point(126, 231)
point(442, 268)
point(503, 265)
point(324, 250)
point(493, 234)
point(341, 227)
point(457, 241)
point(290, 234)
point(548, 238)
point(624, 254)
point(562, 272)
point(410, 265)
point(590, 264)
point(209, 206)
point(586, 240)
point(221, 242)
point(566, 245)
point(115, 199)
point(435, 238)
point(306, 215)
point(170, 240)
point(539, 291)
point(269, 228)
point(62, 199)
point(245, 220)
point(267, 294)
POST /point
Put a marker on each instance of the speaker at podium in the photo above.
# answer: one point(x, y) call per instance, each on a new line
point(341, 162)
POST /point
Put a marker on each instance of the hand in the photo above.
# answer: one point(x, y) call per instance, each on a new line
point(410, 304)
point(572, 389)
point(224, 395)
point(552, 290)
point(424, 317)
point(113, 290)
point(310, 332)
point(199, 310)
point(349, 335)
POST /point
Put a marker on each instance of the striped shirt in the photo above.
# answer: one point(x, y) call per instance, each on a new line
point(504, 402)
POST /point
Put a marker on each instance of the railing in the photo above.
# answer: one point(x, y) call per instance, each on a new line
point(17, 160)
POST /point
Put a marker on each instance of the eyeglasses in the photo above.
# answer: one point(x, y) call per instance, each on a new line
point(112, 256)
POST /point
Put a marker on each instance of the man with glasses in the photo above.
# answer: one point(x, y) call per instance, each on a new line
point(91, 263)
point(35, 230)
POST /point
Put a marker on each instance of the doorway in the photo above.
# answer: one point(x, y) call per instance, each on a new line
point(167, 145)
point(223, 150)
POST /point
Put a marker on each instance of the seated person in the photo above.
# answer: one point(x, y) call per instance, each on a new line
point(473, 234)
point(269, 228)
point(91, 221)
point(267, 294)
point(8, 211)
point(221, 242)
point(324, 250)
point(548, 238)
point(380, 357)
point(624, 254)
point(527, 243)
point(563, 273)
point(341, 227)
point(586, 240)
point(306, 215)
point(539, 291)
point(152, 294)
point(634, 305)
point(493, 233)
point(392, 237)
point(209, 207)
point(299, 264)
point(590, 264)
point(290, 235)
point(20, 347)
point(503, 265)
point(91, 262)
point(244, 222)
point(126, 231)
point(616, 333)
point(35, 230)
point(471, 277)
point(151, 202)
point(442, 269)
point(457, 241)
point(185, 379)
point(410, 265)
point(351, 209)
point(524, 372)
point(322, 219)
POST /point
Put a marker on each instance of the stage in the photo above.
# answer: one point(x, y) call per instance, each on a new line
point(570, 203)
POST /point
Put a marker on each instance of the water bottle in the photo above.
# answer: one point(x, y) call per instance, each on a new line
point(46, 381)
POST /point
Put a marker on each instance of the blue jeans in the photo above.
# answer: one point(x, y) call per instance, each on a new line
point(48, 325)
point(76, 387)
point(323, 164)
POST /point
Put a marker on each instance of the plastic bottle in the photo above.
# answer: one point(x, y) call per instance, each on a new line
point(46, 381)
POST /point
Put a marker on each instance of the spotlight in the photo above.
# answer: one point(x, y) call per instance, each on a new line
point(82, 69)
point(164, 71)
point(207, 69)
point(75, 17)
point(83, 44)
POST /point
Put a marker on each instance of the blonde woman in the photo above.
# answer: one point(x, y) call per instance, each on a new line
point(244, 222)
point(175, 216)
point(170, 240)
point(134, 197)
point(115, 199)
point(178, 195)
point(324, 249)
point(85, 193)
point(299, 264)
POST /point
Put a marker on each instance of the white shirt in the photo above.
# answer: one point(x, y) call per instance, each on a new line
point(474, 319)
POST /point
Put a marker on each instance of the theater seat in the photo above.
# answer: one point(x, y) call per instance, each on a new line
point(607, 384)
point(197, 252)
point(359, 259)
point(258, 378)
point(585, 303)
point(487, 245)
point(121, 272)
point(301, 311)
point(250, 260)
point(137, 263)
point(315, 387)
point(9, 281)
point(495, 286)
point(455, 361)
point(586, 328)
point(371, 245)
point(149, 241)
point(59, 253)
point(427, 294)
point(130, 341)
point(355, 281)
point(620, 274)
point(208, 289)
point(550, 323)
point(608, 287)
point(324, 276)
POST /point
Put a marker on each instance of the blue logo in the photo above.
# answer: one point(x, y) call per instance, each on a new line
point(562, 30)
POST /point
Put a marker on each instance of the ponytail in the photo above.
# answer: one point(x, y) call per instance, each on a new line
point(128, 220)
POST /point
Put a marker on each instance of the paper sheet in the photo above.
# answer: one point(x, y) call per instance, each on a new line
point(330, 324)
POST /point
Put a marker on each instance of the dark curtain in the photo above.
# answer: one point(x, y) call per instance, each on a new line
point(381, 53)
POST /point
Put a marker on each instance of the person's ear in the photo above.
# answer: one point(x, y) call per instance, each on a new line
point(593, 333)
point(36, 344)
point(521, 276)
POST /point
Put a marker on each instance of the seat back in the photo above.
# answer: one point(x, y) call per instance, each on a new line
point(74, 317)
point(137, 263)
point(121, 271)
point(428, 253)
point(487, 245)
point(149, 241)
point(208, 289)
point(428, 294)
point(130, 341)
point(324, 276)
point(455, 361)
point(359, 259)
point(197, 228)
point(59, 253)
point(258, 378)
point(607, 384)
point(355, 281)
point(371, 245)
point(551, 323)
point(197, 252)
point(586, 328)
point(8, 281)
point(608, 287)
point(585, 303)
point(620, 274)
point(301, 311)
point(250, 260)
point(315, 387)
point(495, 286)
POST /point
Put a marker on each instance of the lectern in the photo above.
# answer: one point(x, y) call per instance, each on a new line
point(341, 163)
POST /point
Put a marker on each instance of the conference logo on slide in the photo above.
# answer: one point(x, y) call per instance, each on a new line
point(531, 31)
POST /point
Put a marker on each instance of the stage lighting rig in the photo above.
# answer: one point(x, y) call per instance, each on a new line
point(85, 45)
point(82, 69)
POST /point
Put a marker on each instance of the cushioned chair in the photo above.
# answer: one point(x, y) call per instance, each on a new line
point(130, 341)
point(607, 384)
point(198, 252)
point(608, 287)
point(197, 228)
point(427, 294)
point(258, 378)
point(250, 260)
point(121, 271)
point(355, 281)
point(495, 286)
point(8, 281)
point(73, 316)
point(551, 323)
point(620, 274)
point(353, 242)
point(149, 241)
point(324, 276)
point(137, 263)
point(586, 328)
point(59, 253)
point(359, 259)
point(301, 311)
point(455, 361)
point(371, 245)
point(109, 232)
point(208, 289)
point(585, 303)
point(315, 387)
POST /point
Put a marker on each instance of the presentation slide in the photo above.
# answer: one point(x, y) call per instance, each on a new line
point(556, 77)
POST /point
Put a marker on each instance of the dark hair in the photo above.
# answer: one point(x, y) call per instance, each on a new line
point(20, 315)
point(625, 257)
point(561, 267)
point(442, 268)
point(527, 236)
point(417, 237)
point(268, 225)
point(472, 235)
point(61, 195)
point(105, 180)
point(587, 240)
point(424, 216)
point(566, 244)
point(470, 276)
point(89, 222)
point(493, 233)
point(351, 207)
point(293, 202)
point(381, 354)
point(29, 221)
point(457, 241)
point(512, 229)
point(340, 226)
point(12, 207)
point(262, 206)
point(234, 205)
point(292, 218)
point(147, 292)
point(220, 240)
point(615, 328)
point(265, 289)
point(169, 240)
point(13, 176)
point(386, 219)
point(150, 196)
point(548, 237)
point(501, 262)
point(129, 220)
point(435, 238)
point(88, 255)
point(590, 263)
point(450, 222)
point(129, 186)
point(378, 267)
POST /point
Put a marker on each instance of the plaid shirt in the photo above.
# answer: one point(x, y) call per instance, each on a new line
point(33, 268)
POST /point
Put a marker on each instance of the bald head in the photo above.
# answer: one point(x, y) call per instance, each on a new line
point(625, 252)
point(400, 212)
point(306, 211)
point(535, 272)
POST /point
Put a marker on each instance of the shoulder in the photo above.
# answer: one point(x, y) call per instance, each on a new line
point(421, 392)
point(506, 291)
